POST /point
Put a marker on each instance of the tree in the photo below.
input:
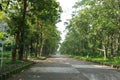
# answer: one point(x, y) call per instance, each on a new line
point(26, 15)
point(96, 23)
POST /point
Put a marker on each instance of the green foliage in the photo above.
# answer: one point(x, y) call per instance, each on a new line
point(115, 61)
point(2, 35)
point(1, 15)
point(31, 25)
point(7, 54)
point(94, 29)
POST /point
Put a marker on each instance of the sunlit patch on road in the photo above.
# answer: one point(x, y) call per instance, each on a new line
point(54, 70)
point(92, 66)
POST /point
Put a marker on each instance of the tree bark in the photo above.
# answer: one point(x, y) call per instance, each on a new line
point(111, 47)
point(105, 54)
point(14, 54)
point(15, 46)
point(37, 43)
point(41, 49)
point(21, 48)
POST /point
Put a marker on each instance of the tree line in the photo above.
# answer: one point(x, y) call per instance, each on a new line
point(94, 30)
point(31, 26)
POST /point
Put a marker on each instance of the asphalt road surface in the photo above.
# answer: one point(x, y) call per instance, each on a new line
point(64, 68)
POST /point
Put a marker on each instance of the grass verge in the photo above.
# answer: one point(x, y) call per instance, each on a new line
point(13, 68)
point(115, 62)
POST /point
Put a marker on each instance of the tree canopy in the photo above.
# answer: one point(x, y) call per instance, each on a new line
point(94, 29)
point(32, 26)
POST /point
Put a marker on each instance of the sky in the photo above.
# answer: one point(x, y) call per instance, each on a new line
point(67, 11)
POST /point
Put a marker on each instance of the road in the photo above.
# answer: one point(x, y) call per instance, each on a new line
point(64, 68)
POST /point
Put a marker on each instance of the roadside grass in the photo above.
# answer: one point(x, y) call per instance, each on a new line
point(37, 58)
point(6, 57)
point(6, 54)
point(12, 67)
point(114, 60)
point(42, 57)
point(8, 64)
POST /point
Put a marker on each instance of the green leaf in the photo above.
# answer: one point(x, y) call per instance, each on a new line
point(1, 15)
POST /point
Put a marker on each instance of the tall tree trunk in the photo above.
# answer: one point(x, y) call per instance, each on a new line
point(14, 50)
point(15, 46)
point(118, 44)
point(26, 52)
point(41, 49)
point(104, 50)
point(21, 48)
point(37, 43)
point(42, 42)
point(111, 46)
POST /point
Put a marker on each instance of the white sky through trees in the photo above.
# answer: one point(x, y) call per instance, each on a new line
point(67, 11)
